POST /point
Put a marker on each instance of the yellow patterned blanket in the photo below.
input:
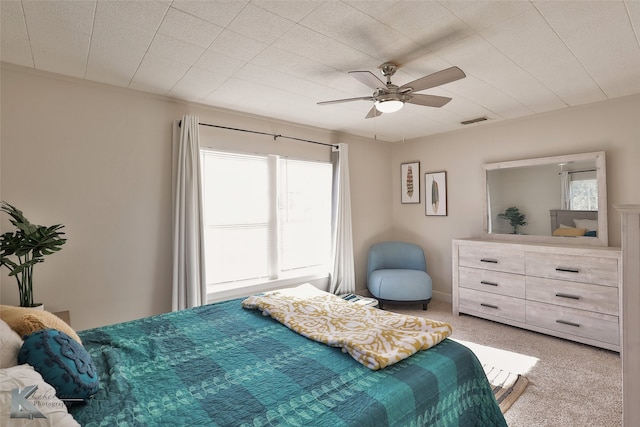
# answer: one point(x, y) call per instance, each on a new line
point(373, 337)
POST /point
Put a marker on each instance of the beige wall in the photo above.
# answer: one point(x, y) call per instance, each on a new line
point(98, 160)
point(612, 126)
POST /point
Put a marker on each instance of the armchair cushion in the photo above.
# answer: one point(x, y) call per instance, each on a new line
point(400, 285)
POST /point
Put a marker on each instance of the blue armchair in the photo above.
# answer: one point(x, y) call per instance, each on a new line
point(397, 271)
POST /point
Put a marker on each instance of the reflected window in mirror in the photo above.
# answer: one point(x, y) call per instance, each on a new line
point(584, 191)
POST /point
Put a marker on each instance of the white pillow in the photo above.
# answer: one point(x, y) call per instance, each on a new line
point(565, 226)
point(43, 399)
point(10, 343)
point(589, 224)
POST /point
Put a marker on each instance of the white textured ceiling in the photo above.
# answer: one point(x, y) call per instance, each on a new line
point(278, 58)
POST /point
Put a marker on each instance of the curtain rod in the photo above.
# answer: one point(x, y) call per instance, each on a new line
point(578, 171)
point(275, 136)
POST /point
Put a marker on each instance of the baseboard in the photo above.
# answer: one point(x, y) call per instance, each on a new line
point(441, 296)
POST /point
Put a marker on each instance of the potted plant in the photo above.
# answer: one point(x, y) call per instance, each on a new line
point(516, 219)
point(28, 246)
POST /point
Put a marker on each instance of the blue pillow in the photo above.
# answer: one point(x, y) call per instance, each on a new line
point(591, 233)
point(62, 362)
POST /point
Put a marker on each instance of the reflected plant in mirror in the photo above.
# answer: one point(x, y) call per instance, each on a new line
point(515, 218)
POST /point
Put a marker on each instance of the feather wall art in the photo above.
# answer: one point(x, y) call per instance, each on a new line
point(436, 193)
point(435, 196)
point(410, 182)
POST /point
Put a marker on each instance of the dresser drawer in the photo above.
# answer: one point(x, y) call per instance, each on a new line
point(496, 282)
point(603, 299)
point(472, 301)
point(585, 324)
point(599, 271)
point(492, 258)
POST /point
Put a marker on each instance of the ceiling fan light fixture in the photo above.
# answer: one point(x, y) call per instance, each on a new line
point(389, 106)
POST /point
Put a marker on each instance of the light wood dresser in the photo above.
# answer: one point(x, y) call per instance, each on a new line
point(566, 291)
point(630, 314)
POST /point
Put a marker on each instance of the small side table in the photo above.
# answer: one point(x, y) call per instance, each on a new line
point(64, 315)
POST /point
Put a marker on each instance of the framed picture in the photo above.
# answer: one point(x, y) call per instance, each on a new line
point(410, 182)
point(435, 188)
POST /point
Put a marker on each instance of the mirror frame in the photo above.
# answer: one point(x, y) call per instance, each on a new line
point(601, 174)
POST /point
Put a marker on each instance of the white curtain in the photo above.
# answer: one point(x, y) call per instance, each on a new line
point(342, 276)
point(565, 190)
point(189, 284)
point(489, 210)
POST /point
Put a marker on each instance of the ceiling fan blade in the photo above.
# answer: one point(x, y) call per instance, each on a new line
point(373, 113)
point(337, 101)
point(428, 100)
point(368, 78)
point(436, 79)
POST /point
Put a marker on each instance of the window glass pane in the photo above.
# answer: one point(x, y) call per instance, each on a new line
point(305, 214)
point(235, 189)
point(584, 195)
point(236, 212)
point(238, 253)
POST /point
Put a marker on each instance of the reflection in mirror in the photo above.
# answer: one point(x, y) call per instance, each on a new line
point(559, 199)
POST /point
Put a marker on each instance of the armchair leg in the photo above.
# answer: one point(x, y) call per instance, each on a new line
point(382, 301)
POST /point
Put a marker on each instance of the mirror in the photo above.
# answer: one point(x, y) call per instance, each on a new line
point(562, 199)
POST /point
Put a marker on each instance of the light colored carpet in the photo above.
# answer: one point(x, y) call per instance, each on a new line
point(570, 384)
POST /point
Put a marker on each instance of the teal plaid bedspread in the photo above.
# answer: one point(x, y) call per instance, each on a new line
point(221, 365)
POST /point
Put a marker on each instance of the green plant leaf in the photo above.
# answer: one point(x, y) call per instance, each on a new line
point(25, 266)
point(6, 261)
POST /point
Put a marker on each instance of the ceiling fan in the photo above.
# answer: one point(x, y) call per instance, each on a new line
point(389, 98)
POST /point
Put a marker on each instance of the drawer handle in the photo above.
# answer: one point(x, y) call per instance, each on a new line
point(484, 282)
point(489, 305)
point(567, 296)
point(567, 270)
point(564, 322)
point(492, 261)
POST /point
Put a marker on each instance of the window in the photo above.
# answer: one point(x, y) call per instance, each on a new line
point(266, 217)
point(584, 191)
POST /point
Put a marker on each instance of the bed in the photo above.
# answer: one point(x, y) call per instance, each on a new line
point(222, 365)
point(573, 223)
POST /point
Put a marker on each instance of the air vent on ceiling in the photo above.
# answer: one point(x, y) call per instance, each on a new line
point(476, 120)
